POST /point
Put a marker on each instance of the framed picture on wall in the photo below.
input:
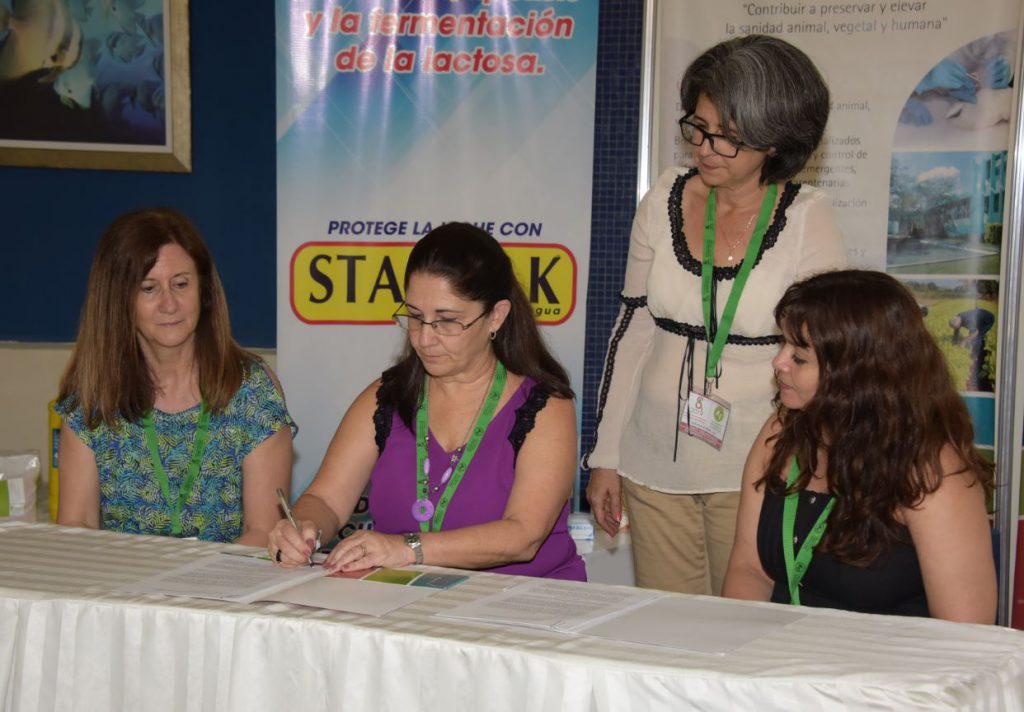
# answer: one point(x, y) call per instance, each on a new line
point(95, 84)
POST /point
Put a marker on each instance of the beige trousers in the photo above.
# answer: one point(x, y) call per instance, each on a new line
point(681, 542)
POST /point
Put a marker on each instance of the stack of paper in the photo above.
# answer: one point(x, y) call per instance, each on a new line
point(697, 623)
point(246, 579)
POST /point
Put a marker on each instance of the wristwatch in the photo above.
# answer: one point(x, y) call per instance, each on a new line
point(414, 543)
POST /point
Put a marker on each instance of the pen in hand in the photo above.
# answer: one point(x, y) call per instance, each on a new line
point(291, 519)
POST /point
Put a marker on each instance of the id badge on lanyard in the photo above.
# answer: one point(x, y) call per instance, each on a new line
point(706, 415)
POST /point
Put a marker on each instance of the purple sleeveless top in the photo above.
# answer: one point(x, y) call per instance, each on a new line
point(485, 488)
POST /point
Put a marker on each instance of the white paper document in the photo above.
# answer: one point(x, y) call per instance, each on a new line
point(705, 625)
point(225, 577)
point(246, 578)
point(368, 598)
point(555, 605)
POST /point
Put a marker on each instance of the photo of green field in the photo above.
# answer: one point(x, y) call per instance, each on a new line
point(970, 348)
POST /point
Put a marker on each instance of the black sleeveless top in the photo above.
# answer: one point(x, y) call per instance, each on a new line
point(892, 584)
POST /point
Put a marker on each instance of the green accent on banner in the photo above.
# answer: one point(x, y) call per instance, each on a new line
point(5, 500)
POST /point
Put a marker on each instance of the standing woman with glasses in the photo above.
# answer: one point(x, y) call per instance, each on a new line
point(688, 377)
point(468, 443)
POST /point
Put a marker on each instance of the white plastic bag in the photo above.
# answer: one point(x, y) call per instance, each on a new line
point(19, 473)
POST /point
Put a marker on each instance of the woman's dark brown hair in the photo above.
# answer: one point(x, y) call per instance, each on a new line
point(108, 376)
point(884, 410)
point(478, 270)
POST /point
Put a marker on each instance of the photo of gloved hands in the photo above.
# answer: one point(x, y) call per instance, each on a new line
point(967, 87)
point(951, 77)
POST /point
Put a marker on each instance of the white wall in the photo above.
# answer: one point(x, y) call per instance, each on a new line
point(29, 374)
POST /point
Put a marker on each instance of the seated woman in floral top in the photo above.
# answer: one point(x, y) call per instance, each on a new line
point(169, 426)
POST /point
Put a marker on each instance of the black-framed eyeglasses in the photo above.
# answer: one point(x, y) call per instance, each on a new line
point(443, 327)
point(695, 135)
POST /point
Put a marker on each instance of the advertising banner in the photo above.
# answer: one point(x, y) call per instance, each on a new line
point(393, 118)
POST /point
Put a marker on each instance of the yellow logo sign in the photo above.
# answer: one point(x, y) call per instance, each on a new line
point(361, 283)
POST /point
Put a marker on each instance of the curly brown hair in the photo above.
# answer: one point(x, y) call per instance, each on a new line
point(884, 410)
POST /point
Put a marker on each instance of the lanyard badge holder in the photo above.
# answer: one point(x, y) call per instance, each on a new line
point(797, 561)
point(706, 415)
point(431, 518)
point(195, 462)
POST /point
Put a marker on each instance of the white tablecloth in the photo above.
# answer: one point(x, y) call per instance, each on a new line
point(67, 642)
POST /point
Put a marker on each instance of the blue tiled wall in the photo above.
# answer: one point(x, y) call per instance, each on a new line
point(616, 132)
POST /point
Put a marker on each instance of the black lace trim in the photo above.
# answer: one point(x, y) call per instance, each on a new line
point(382, 419)
point(682, 250)
point(692, 331)
point(631, 304)
point(526, 418)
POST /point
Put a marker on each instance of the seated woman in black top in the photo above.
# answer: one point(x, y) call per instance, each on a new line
point(864, 491)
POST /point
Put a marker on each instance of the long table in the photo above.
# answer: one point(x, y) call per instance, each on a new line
point(69, 642)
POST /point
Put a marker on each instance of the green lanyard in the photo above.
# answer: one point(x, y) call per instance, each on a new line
point(707, 276)
point(796, 566)
point(423, 508)
point(198, 447)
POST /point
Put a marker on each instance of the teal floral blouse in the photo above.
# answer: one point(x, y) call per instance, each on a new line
point(130, 496)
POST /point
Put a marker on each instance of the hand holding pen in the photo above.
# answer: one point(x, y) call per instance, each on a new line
point(291, 519)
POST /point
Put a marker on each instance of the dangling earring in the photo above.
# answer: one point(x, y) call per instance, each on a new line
point(493, 334)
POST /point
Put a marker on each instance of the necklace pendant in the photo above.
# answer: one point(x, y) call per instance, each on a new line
point(422, 510)
point(729, 257)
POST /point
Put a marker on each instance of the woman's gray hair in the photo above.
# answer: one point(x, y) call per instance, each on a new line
point(772, 94)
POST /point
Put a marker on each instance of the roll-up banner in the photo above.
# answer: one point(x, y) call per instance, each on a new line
point(393, 118)
point(924, 97)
